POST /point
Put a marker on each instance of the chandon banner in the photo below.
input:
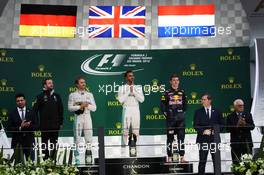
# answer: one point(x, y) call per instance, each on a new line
point(223, 72)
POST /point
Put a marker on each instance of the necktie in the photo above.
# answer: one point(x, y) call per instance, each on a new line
point(22, 114)
point(207, 113)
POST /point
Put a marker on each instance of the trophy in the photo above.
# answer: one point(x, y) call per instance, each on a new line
point(132, 145)
point(175, 152)
point(80, 111)
point(88, 157)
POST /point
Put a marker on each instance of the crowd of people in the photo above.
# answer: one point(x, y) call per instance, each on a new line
point(47, 116)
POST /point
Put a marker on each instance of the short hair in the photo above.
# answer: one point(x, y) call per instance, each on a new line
point(238, 101)
point(127, 72)
point(45, 80)
point(76, 81)
point(18, 95)
point(174, 76)
point(208, 96)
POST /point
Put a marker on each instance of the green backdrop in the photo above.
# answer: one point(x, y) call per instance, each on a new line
point(222, 72)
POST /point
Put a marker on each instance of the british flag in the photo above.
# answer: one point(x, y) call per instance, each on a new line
point(117, 21)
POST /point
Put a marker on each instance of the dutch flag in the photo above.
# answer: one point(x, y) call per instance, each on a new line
point(186, 20)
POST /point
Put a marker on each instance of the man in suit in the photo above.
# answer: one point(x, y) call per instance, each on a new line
point(50, 110)
point(22, 124)
point(205, 119)
point(239, 124)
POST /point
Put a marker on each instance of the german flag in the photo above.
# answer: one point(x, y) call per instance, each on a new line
point(47, 20)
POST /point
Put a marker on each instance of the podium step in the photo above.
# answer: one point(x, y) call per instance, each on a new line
point(144, 165)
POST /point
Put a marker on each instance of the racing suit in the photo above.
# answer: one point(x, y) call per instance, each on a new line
point(130, 113)
point(83, 121)
point(173, 106)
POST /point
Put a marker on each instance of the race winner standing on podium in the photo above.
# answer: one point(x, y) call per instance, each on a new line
point(173, 106)
point(81, 102)
point(130, 95)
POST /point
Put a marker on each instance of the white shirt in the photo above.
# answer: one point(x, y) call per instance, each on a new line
point(130, 99)
point(20, 112)
point(210, 110)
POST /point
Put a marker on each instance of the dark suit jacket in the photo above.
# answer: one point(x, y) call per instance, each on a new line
point(26, 139)
point(202, 122)
point(240, 134)
point(49, 108)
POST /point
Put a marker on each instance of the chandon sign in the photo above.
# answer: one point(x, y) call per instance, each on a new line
point(143, 166)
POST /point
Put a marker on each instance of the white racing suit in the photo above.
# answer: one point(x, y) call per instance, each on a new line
point(131, 113)
point(82, 122)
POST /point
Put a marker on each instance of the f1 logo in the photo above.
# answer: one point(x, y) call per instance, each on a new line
point(116, 60)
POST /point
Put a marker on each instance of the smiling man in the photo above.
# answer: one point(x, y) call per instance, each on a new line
point(239, 124)
point(22, 122)
point(82, 103)
point(130, 95)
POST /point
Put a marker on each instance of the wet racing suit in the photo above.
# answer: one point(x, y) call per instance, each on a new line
point(83, 121)
point(131, 112)
point(173, 106)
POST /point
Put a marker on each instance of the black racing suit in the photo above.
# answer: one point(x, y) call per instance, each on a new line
point(173, 106)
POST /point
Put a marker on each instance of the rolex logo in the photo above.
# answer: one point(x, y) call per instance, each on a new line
point(231, 107)
point(3, 115)
point(192, 71)
point(3, 82)
point(41, 73)
point(155, 82)
point(230, 51)
point(4, 58)
point(118, 125)
point(230, 56)
point(4, 112)
point(231, 84)
point(231, 79)
point(156, 115)
point(193, 95)
point(153, 87)
point(193, 100)
point(3, 53)
point(117, 130)
point(192, 67)
point(4, 87)
point(41, 68)
point(113, 102)
point(156, 110)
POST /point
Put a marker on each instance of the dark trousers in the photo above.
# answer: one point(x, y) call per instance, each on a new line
point(203, 154)
point(51, 136)
point(176, 126)
point(237, 150)
point(27, 150)
point(29, 153)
